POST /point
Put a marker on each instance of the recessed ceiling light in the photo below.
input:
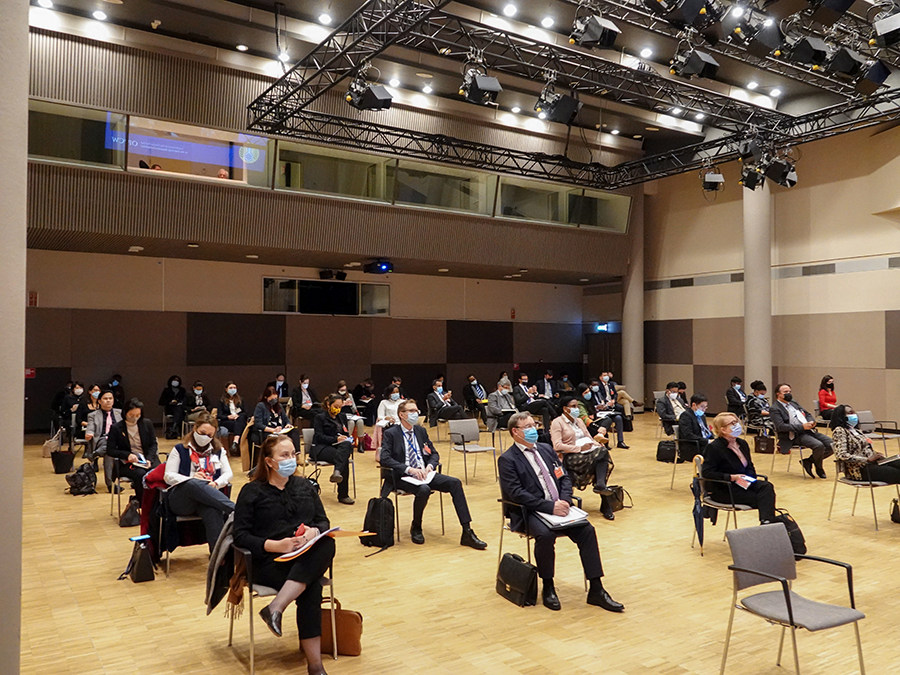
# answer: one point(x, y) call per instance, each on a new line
point(46, 4)
point(637, 136)
point(427, 76)
point(242, 48)
point(115, 2)
point(443, 269)
point(516, 109)
point(515, 276)
point(100, 16)
point(394, 82)
point(753, 84)
point(699, 116)
point(584, 280)
point(775, 92)
point(614, 132)
point(251, 256)
point(135, 249)
point(325, 19)
point(646, 53)
point(547, 22)
point(523, 271)
point(510, 10)
point(427, 89)
point(677, 111)
point(507, 276)
point(192, 245)
point(284, 57)
point(651, 128)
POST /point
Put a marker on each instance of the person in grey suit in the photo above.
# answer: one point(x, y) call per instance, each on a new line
point(795, 426)
point(500, 406)
point(99, 423)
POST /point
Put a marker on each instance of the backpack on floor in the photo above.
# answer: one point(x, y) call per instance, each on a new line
point(665, 451)
point(82, 481)
point(380, 520)
point(798, 542)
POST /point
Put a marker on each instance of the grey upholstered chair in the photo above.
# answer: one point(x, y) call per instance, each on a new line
point(764, 555)
point(464, 437)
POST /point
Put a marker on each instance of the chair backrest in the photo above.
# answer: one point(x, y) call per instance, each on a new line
point(468, 429)
point(866, 422)
point(658, 395)
point(766, 548)
point(307, 439)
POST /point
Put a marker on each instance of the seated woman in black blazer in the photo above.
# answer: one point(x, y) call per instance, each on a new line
point(270, 510)
point(269, 418)
point(172, 402)
point(333, 443)
point(73, 403)
point(131, 441)
point(232, 415)
point(728, 459)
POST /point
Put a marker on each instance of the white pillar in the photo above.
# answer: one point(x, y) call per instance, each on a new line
point(13, 190)
point(633, 305)
point(758, 218)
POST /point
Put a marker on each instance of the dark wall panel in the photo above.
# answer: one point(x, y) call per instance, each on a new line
point(714, 382)
point(479, 341)
point(560, 342)
point(48, 340)
point(892, 339)
point(117, 340)
point(409, 340)
point(669, 341)
point(39, 392)
point(235, 339)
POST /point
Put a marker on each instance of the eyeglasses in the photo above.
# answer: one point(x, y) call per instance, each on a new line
point(529, 426)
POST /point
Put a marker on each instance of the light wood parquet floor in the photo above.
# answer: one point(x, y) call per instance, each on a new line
point(433, 609)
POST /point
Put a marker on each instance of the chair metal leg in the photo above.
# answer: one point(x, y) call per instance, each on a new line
point(728, 633)
point(500, 546)
point(441, 498)
point(674, 464)
point(774, 455)
point(230, 624)
point(874, 512)
point(496, 475)
point(780, 646)
point(167, 564)
point(397, 514)
point(833, 492)
point(528, 547)
point(855, 497)
point(334, 635)
point(727, 520)
point(252, 646)
point(465, 468)
point(353, 474)
point(862, 666)
point(796, 656)
point(475, 466)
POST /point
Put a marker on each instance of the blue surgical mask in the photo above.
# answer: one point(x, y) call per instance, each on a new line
point(853, 419)
point(595, 388)
point(737, 386)
point(95, 394)
point(287, 467)
point(736, 429)
point(440, 390)
point(231, 391)
point(587, 396)
point(412, 417)
point(175, 384)
point(699, 413)
point(395, 396)
point(115, 383)
point(574, 412)
point(198, 391)
point(531, 435)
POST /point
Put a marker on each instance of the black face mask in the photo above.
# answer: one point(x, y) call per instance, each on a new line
point(788, 397)
point(830, 385)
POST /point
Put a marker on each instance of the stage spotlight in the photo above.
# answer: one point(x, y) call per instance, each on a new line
point(887, 31)
point(765, 39)
point(364, 96)
point(556, 107)
point(750, 152)
point(782, 9)
point(829, 11)
point(808, 50)
point(712, 180)
point(710, 23)
point(378, 267)
point(782, 172)
point(479, 88)
point(873, 77)
point(752, 177)
point(846, 63)
point(694, 63)
point(593, 31)
point(678, 13)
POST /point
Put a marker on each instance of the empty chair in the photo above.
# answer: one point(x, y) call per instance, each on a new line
point(870, 427)
point(464, 436)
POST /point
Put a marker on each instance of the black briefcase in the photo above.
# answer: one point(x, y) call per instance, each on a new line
point(764, 445)
point(517, 580)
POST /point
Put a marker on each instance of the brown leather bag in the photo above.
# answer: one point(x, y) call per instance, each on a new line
point(349, 625)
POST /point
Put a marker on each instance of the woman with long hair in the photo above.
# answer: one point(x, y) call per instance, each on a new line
point(855, 452)
point(827, 397)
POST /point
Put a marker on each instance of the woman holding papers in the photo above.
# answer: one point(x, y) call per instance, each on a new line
point(333, 444)
point(387, 414)
point(852, 448)
point(269, 418)
point(277, 513)
point(728, 460)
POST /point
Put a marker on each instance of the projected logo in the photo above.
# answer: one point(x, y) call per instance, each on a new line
point(248, 155)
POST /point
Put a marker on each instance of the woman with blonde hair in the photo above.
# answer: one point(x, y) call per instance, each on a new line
point(727, 459)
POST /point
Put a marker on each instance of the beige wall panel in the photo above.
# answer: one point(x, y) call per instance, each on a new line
point(719, 341)
point(862, 388)
point(91, 281)
point(830, 293)
point(602, 307)
point(551, 343)
point(658, 375)
point(838, 340)
point(424, 297)
point(48, 341)
point(488, 300)
point(891, 394)
point(695, 302)
point(212, 286)
point(409, 341)
point(328, 339)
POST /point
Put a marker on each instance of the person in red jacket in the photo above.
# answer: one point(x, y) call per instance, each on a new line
point(827, 397)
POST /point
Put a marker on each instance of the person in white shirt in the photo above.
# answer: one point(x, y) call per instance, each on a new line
point(386, 416)
point(197, 470)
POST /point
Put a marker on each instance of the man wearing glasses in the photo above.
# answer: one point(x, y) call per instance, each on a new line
point(531, 475)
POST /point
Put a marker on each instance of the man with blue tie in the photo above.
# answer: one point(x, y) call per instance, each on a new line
point(476, 398)
point(694, 433)
point(406, 451)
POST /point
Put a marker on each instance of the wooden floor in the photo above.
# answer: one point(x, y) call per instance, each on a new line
point(433, 608)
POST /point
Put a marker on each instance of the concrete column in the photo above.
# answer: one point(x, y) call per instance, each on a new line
point(758, 219)
point(13, 190)
point(633, 305)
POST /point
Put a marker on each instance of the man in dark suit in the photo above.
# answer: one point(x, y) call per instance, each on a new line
point(735, 397)
point(693, 431)
point(531, 476)
point(281, 386)
point(476, 398)
point(441, 405)
point(608, 394)
point(546, 387)
point(665, 408)
point(795, 426)
point(527, 400)
point(407, 451)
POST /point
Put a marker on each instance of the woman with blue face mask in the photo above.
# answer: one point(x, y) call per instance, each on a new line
point(387, 415)
point(276, 513)
point(858, 460)
point(172, 402)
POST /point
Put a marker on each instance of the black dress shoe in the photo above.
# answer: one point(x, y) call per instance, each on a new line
point(347, 500)
point(602, 490)
point(551, 601)
point(820, 472)
point(609, 515)
point(272, 619)
point(600, 598)
point(622, 445)
point(807, 466)
point(415, 533)
point(469, 538)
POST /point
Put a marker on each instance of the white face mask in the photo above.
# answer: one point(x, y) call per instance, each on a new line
point(202, 440)
point(305, 385)
point(606, 378)
point(673, 395)
point(78, 391)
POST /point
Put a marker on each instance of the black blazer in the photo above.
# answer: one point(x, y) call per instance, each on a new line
point(327, 428)
point(689, 429)
point(607, 391)
point(297, 398)
point(117, 444)
point(547, 388)
point(735, 404)
point(262, 414)
point(665, 409)
point(167, 396)
point(720, 463)
point(519, 483)
point(223, 411)
point(520, 397)
point(190, 402)
point(393, 450)
point(281, 389)
point(436, 402)
point(470, 396)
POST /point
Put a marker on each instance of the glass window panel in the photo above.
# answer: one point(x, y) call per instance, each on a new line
point(333, 171)
point(592, 208)
point(327, 297)
point(534, 201)
point(445, 188)
point(279, 295)
point(76, 134)
point(210, 153)
point(374, 299)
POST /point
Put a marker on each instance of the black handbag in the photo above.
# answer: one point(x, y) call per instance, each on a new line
point(517, 580)
point(895, 511)
point(798, 542)
point(140, 567)
point(62, 461)
point(131, 516)
point(616, 499)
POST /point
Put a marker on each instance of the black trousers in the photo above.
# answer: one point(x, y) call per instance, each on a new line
point(135, 474)
point(584, 536)
point(449, 412)
point(440, 483)
point(196, 498)
point(177, 413)
point(503, 420)
point(477, 409)
point(236, 426)
point(339, 456)
point(308, 569)
point(545, 409)
point(819, 444)
point(760, 496)
point(616, 419)
point(886, 473)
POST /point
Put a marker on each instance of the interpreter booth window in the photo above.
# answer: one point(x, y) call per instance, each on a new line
point(602, 210)
point(533, 200)
point(374, 299)
point(280, 295)
point(73, 134)
point(530, 201)
point(309, 296)
point(441, 187)
point(196, 151)
point(351, 174)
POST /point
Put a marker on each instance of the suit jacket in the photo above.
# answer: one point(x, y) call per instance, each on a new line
point(720, 463)
point(735, 404)
point(393, 450)
point(190, 402)
point(167, 396)
point(690, 431)
point(665, 409)
point(520, 396)
point(327, 428)
point(470, 396)
point(223, 411)
point(607, 391)
point(564, 386)
point(436, 402)
point(96, 426)
point(784, 420)
point(497, 402)
point(282, 389)
point(297, 398)
point(546, 388)
point(117, 444)
point(563, 436)
point(262, 415)
point(519, 483)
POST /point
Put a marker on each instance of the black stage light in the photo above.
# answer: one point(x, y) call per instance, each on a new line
point(752, 177)
point(557, 107)
point(678, 13)
point(782, 172)
point(713, 181)
point(846, 63)
point(873, 77)
point(749, 151)
point(782, 9)
point(765, 39)
point(326, 274)
point(887, 31)
point(364, 96)
point(693, 62)
point(737, 24)
point(378, 267)
point(808, 50)
point(479, 88)
point(830, 11)
point(593, 31)
point(710, 26)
